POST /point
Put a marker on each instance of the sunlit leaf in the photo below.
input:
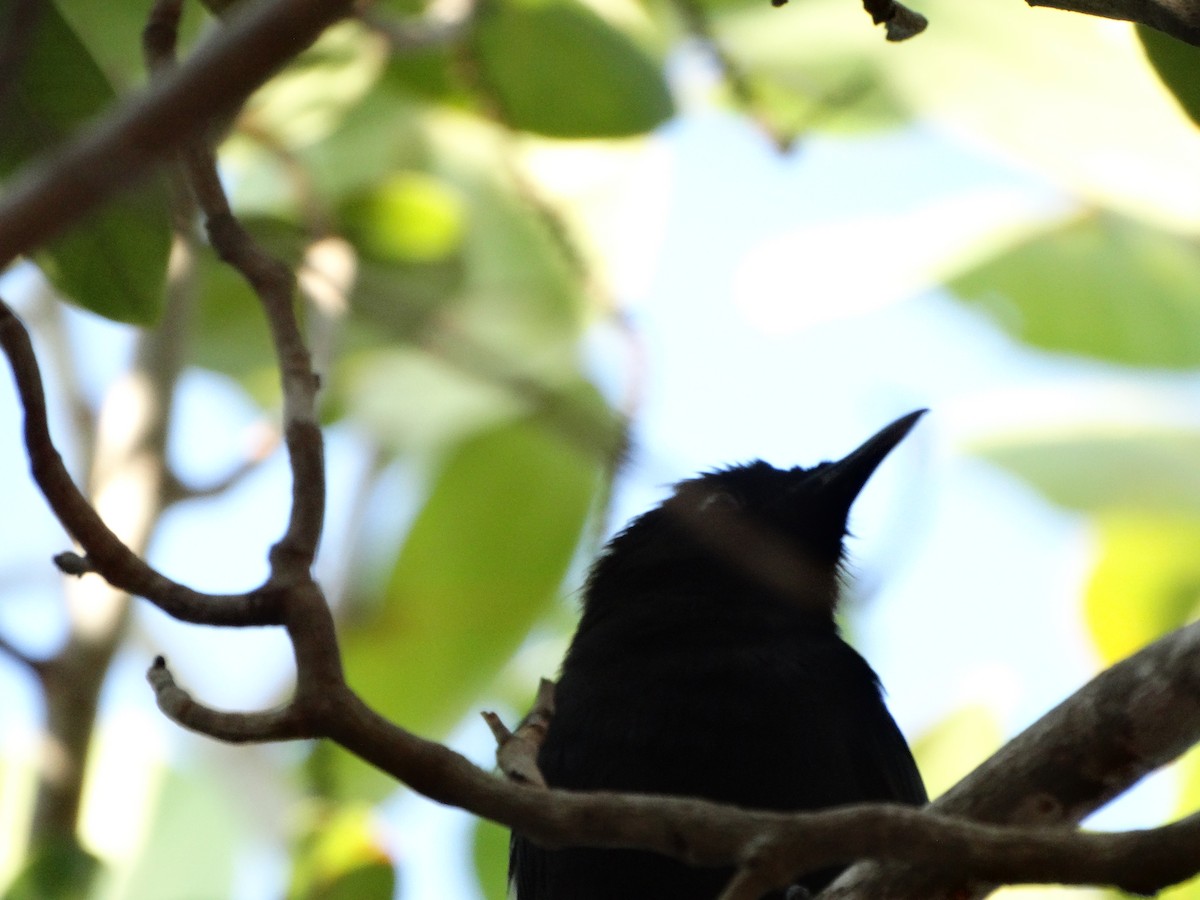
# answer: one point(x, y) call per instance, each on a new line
point(1146, 582)
point(1101, 286)
point(559, 69)
point(411, 400)
point(1177, 64)
point(174, 865)
point(343, 858)
point(1141, 470)
point(490, 846)
point(58, 869)
point(308, 99)
point(410, 217)
point(484, 558)
point(953, 747)
point(834, 83)
point(114, 261)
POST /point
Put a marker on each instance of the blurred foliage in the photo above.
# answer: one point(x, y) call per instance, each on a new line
point(114, 263)
point(1147, 581)
point(490, 846)
point(1102, 286)
point(954, 746)
point(1176, 64)
point(457, 344)
point(1150, 470)
point(341, 858)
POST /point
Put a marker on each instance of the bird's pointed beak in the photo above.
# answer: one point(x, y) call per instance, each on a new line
point(842, 481)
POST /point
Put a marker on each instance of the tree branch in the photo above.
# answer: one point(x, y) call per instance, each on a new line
point(106, 553)
point(16, 654)
point(274, 284)
point(281, 724)
point(770, 847)
point(1128, 721)
point(49, 195)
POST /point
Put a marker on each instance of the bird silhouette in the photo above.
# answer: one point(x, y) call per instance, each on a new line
point(708, 663)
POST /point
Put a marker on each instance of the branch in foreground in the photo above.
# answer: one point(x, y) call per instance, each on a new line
point(1087, 750)
point(1126, 722)
point(51, 194)
point(105, 553)
point(282, 724)
point(274, 285)
point(771, 847)
point(12, 651)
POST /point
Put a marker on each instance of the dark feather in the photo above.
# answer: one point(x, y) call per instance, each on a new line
point(707, 663)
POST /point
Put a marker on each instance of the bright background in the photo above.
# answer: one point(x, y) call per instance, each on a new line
point(997, 220)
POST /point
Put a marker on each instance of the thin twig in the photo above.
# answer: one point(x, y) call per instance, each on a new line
point(273, 282)
point(107, 554)
point(17, 655)
point(280, 724)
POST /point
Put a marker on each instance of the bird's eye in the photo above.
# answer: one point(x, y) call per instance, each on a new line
point(719, 500)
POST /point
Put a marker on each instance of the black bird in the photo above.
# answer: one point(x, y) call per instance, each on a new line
point(707, 663)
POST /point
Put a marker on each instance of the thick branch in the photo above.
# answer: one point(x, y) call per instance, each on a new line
point(772, 847)
point(1128, 721)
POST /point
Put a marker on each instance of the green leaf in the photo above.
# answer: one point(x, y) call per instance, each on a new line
point(114, 261)
point(55, 869)
point(1177, 64)
point(309, 98)
point(369, 881)
point(231, 334)
point(956, 745)
point(558, 69)
point(1102, 286)
point(112, 32)
point(484, 559)
point(490, 853)
point(175, 864)
point(810, 65)
point(1151, 470)
point(341, 858)
point(1146, 583)
point(410, 217)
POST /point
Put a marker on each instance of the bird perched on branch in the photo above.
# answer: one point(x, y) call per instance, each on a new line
point(708, 663)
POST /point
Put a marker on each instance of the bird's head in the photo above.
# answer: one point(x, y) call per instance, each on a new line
point(752, 527)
